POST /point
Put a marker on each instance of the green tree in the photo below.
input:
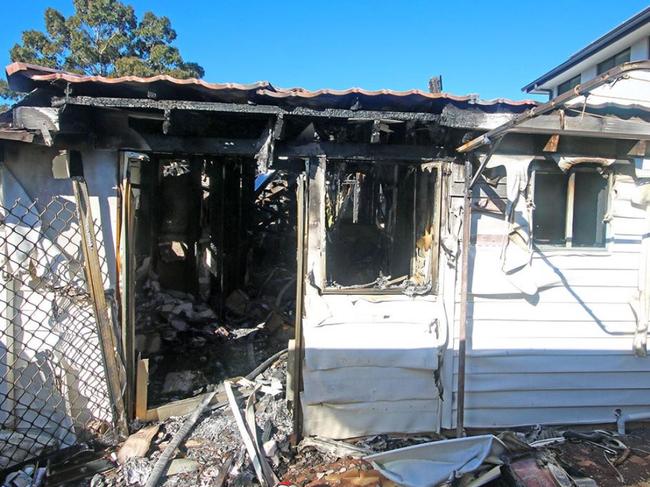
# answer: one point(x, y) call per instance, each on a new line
point(6, 95)
point(105, 37)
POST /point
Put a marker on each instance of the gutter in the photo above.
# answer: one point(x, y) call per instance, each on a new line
point(582, 89)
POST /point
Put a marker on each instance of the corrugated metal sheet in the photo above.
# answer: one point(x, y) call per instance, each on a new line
point(26, 77)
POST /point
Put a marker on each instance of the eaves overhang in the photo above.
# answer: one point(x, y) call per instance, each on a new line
point(611, 37)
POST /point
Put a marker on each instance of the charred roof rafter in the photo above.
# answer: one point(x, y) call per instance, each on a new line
point(162, 105)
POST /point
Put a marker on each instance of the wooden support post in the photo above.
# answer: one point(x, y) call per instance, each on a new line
point(112, 366)
point(462, 333)
point(301, 211)
point(141, 389)
point(126, 271)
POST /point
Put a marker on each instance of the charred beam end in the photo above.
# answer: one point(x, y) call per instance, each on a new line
point(553, 142)
point(241, 108)
point(17, 135)
point(639, 149)
point(375, 136)
point(278, 128)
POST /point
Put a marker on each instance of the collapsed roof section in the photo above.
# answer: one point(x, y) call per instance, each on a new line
point(258, 120)
point(27, 77)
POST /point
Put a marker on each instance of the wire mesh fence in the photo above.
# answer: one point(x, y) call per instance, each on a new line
point(53, 388)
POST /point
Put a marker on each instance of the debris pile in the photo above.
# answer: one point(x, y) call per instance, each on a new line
point(192, 341)
point(214, 452)
point(240, 436)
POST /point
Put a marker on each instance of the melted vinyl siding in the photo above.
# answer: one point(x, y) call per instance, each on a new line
point(566, 355)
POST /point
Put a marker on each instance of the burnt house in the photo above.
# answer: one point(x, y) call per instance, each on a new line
point(377, 234)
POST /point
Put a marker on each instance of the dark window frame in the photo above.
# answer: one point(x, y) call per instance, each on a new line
point(613, 61)
point(568, 84)
point(569, 240)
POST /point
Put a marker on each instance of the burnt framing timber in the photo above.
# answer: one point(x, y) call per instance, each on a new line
point(549, 126)
point(220, 107)
point(332, 150)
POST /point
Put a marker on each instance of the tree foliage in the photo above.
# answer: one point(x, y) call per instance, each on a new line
point(105, 37)
point(6, 94)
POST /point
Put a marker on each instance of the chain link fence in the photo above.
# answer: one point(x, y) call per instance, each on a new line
point(53, 388)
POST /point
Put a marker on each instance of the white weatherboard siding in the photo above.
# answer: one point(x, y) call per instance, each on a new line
point(637, 41)
point(566, 355)
point(370, 361)
point(370, 366)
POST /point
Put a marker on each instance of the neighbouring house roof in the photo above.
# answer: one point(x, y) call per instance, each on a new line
point(623, 90)
point(609, 38)
point(27, 77)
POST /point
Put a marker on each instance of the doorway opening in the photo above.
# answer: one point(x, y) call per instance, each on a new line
point(212, 248)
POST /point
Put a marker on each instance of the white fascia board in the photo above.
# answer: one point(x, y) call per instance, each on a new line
point(633, 38)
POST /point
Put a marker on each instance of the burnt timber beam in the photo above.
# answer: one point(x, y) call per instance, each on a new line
point(241, 108)
point(17, 135)
point(532, 145)
point(196, 145)
point(250, 147)
point(554, 104)
point(361, 152)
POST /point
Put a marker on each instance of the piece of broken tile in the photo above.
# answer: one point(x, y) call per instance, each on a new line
point(182, 465)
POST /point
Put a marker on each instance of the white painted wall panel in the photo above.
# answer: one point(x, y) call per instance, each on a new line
point(371, 344)
point(564, 355)
point(530, 381)
point(368, 384)
point(511, 417)
point(356, 419)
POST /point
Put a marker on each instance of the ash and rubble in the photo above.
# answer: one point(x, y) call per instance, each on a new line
point(189, 347)
point(215, 441)
point(193, 341)
point(215, 444)
point(214, 452)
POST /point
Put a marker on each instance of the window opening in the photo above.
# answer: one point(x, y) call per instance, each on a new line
point(568, 85)
point(380, 224)
point(570, 208)
point(616, 60)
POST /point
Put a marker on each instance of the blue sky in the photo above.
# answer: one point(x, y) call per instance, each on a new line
point(488, 47)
